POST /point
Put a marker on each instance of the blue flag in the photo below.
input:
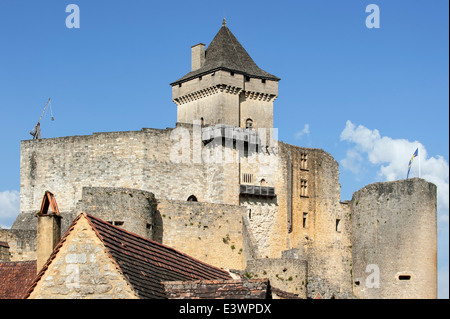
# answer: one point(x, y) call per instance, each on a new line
point(416, 153)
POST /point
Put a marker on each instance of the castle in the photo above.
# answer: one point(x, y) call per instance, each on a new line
point(220, 187)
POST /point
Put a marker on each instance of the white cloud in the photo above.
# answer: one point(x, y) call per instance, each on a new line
point(353, 161)
point(304, 131)
point(393, 155)
point(9, 207)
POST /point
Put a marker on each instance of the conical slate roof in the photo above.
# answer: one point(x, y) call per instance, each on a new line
point(226, 53)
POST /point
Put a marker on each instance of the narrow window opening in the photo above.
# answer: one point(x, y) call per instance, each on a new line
point(179, 84)
point(149, 226)
point(404, 277)
point(338, 225)
point(232, 73)
point(200, 78)
point(250, 214)
point(118, 223)
point(247, 79)
point(357, 283)
point(202, 121)
point(304, 219)
point(192, 198)
point(247, 178)
point(263, 80)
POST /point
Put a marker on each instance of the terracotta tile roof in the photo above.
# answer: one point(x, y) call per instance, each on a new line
point(219, 289)
point(144, 263)
point(15, 278)
point(281, 294)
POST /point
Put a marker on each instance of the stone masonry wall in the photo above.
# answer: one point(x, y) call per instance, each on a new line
point(286, 274)
point(138, 160)
point(22, 243)
point(82, 269)
point(130, 209)
point(209, 232)
point(313, 218)
point(394, 234)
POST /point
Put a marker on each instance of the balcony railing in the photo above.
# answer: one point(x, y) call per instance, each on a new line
point(263, 191)
point(230, 132)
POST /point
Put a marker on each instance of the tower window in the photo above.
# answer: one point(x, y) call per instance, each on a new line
point(304, 219)
point(232, 73)
point(404, 277)
point(200, 77)
point(179, 84)
point(338, 225)
point(263, 80)
point(247, 79)
point(303, 188)
point(304, 161)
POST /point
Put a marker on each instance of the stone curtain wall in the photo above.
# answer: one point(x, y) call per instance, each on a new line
point(209, 232)
point(286, 274)
point(138, 160)
point(22, 243)
point(394, 228)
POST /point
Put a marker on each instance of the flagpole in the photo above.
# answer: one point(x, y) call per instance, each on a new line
point(419, 158)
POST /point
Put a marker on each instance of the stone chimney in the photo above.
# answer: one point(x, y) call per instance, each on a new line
point(48, 229)
point(197, 56)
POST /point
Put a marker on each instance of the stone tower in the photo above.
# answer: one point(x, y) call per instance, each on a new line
point(225, 86)
point(394, 230)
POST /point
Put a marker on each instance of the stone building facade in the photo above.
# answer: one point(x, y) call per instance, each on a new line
point(220, 187)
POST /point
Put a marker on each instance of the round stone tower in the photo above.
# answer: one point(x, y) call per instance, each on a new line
point(394, 240)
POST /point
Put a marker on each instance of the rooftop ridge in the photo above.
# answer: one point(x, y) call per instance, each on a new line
point(226, 53)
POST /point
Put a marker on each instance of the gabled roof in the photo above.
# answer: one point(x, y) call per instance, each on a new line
point(143, 262)
point(226, 53)
point(146, 263)
point(15, 278)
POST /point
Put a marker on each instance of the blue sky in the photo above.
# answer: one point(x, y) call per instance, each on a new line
point(357, 93)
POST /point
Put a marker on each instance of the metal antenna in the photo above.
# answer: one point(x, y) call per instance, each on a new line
point(36, 132)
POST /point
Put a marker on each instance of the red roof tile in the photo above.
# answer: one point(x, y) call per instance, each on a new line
point(146, 263)
point(4, 244)
point(15, 278)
